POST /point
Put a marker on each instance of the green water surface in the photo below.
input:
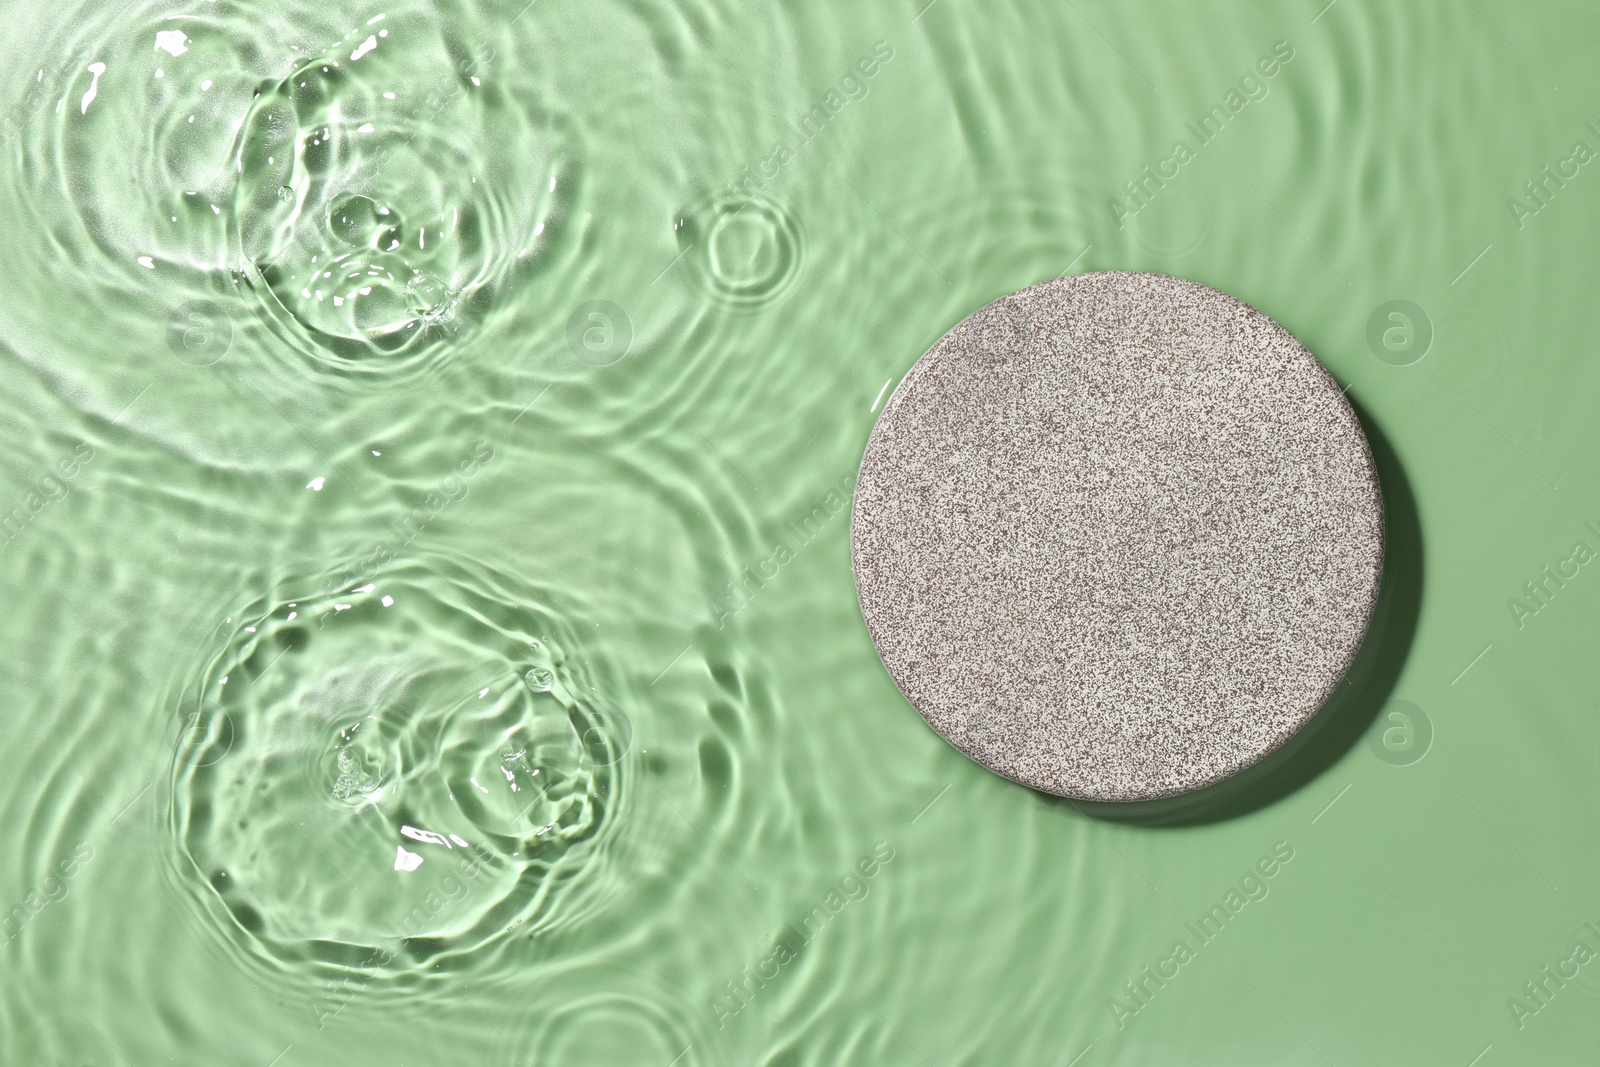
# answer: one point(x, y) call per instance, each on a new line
point(429, 635)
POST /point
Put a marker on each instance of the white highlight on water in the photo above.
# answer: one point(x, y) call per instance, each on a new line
point(96, 69)
point(172, 42)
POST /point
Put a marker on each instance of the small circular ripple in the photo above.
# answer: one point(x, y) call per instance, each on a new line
point(388, 775)
point(745, 251)
point(615, 1027)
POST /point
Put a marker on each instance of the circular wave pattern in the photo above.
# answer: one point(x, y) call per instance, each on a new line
point(614, 1028)
point(334, 178)
point(396, 773)
point(745, 251)
point(370, 232)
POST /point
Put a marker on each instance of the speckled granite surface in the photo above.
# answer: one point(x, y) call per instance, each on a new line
point(1117, 536)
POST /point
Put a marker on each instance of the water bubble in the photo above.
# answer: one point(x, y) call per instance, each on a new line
point(430, 297)
point(358, 769)
point(540, 679)
point(361, 222)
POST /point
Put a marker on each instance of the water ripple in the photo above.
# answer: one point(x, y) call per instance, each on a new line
point(394, 775)
point(327, 187)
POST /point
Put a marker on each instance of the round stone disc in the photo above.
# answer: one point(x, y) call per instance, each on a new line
point(1117, 536)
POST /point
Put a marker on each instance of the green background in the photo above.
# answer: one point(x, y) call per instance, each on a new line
point(646, 450)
